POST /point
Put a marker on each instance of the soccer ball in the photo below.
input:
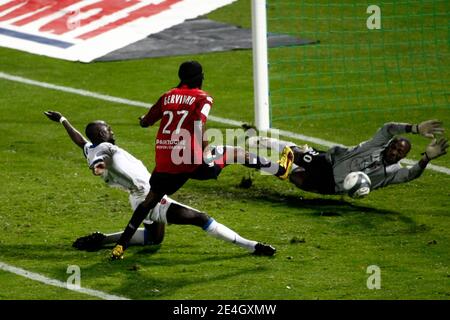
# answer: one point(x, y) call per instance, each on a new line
point(357, 184)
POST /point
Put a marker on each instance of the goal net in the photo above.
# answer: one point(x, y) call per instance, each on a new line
point(370, 63)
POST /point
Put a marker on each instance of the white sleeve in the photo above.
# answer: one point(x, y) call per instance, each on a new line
point(103, 153)
point(86, 149)
point(205, 110)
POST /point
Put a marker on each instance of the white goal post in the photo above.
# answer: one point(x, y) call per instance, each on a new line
point(260, 65)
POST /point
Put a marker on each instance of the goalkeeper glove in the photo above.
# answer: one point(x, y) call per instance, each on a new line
point(428, 128)
point(436, 149)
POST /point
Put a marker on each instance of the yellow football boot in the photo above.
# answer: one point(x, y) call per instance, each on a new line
point(286, 160)
point(117, 252)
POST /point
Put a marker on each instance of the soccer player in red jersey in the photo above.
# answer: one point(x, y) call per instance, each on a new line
point(181, 146)
point(183, 112)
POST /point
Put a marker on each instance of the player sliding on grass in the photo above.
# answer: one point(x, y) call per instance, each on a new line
point(181, 146)
point(120, 169)
point(324, 172)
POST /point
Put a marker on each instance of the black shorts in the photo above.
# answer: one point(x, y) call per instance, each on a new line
point(169, 183)
point(318, 170)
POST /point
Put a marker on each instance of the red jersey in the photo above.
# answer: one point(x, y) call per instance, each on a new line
point(182, 112)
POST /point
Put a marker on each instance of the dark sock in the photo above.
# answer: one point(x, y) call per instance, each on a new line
point(257, 162)
point(280, 171)
point(261, 163)
point(138, 216)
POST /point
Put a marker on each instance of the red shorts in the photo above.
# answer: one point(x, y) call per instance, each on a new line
point(169, 183)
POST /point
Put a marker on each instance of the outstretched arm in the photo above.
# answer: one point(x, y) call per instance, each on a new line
point(73, 133)
point(434, 150)
point(428, 128)
point(152, 116)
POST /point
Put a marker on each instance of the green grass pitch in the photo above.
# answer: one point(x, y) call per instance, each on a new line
point(324, 244)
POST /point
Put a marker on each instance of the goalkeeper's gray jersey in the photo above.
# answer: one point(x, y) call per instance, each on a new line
point(367, 157)
point(122, 169)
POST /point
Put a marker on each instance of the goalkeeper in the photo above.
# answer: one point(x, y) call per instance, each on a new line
point(120, 169)
point(324, 171)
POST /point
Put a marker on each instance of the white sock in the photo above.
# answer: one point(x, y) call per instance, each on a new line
point(219, 231)
point(138, 237)
point(270, 143)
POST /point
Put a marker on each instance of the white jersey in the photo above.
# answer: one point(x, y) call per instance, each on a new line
point(126, 172)
point(122, 169)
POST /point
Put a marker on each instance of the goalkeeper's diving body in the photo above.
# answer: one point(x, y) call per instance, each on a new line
point(324, 171)
point(118, 168)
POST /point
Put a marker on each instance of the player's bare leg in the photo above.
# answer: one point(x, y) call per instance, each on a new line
point(150, 234)
point(154, 233)
point(298, 177)
point(182, 215)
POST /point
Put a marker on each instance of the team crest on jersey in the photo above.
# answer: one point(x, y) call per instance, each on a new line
point(83, 30)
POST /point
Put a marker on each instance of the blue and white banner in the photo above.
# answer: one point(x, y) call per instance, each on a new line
point(83, 30)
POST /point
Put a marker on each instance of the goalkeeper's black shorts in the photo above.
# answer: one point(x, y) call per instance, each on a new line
point(318, 170)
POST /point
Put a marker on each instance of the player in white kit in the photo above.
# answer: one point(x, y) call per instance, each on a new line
point(118, 168)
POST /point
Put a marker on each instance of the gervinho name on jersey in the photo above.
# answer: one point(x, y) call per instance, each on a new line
point(83, 30)
point(178, 98)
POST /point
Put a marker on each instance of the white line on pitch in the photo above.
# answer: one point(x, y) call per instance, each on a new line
point(105, 97)
point(53, 282)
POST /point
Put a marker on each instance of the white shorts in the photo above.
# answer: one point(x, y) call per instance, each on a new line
point(158, 213)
